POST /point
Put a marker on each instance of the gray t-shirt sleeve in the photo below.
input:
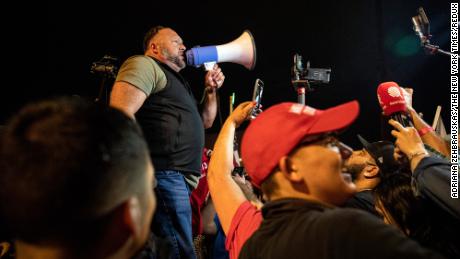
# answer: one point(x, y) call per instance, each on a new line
point(144, 73)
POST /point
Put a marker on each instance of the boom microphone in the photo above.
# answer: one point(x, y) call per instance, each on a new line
point(393, 104)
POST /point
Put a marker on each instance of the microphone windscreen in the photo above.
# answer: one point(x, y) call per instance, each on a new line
point(391, 98)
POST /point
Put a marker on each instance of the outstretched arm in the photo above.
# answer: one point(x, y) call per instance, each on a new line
point(428, 135)
point(226, 194)
point(431, 175)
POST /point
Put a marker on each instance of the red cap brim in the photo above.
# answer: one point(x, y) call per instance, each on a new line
point(336, 118)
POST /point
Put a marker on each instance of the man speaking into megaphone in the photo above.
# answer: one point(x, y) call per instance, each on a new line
point(150, 89)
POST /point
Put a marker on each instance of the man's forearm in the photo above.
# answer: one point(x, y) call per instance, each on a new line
point(226, 194)
point(209, 109)
point(223, 148)
point(436, 142)
point(430, 138)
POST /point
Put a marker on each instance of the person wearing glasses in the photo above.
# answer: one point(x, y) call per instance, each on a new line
point(293, 154)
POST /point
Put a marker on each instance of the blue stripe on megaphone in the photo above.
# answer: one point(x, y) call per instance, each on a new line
point(198, 56)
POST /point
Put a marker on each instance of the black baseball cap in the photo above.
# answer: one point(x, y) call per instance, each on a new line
point(381, 152)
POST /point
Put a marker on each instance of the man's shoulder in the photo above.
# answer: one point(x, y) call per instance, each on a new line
point(312, 226)
point(144, 73)
point(247, 215)
point(245, 222)
point(142, 60)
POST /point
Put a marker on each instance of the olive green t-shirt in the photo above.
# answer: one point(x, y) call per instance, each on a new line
point(144, 73)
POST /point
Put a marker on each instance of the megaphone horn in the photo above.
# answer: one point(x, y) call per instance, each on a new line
point(241, 51)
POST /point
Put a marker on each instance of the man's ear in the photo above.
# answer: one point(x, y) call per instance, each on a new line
point(289, 169)
point(371, 171)
point(154, 47)
point(125, 224)
point(132, 215)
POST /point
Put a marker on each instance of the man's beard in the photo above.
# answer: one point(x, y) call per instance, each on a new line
point(178, 61)
point(354, 170)
point(174, 59)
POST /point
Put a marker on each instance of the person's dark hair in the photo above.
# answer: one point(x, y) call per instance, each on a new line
point(396, 195)
point(67, 164)
point(419, 219)
point(150, 34)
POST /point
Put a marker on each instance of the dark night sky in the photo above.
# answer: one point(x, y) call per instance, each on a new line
point(364, 42)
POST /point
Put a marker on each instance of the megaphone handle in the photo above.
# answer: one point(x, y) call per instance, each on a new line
point(208, 66)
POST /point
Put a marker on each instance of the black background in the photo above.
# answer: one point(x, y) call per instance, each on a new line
point(364, 42)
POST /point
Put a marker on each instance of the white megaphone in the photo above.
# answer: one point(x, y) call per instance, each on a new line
point(241, 51)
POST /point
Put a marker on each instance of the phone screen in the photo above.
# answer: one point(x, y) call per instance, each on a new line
point(257, 97)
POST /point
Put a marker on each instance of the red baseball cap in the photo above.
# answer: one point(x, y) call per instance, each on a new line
point(276, 132)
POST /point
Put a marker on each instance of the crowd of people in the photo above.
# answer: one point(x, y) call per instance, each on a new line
point(134, 180)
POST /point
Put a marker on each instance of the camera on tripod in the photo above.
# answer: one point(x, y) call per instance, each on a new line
point(307, 77)
point(105, 66)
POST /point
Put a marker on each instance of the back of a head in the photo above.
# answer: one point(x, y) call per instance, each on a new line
point(150, 34)
point(395, 194)
point(67, 164)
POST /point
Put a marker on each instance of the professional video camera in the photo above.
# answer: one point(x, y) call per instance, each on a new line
point(105, 66)
point(307, 78)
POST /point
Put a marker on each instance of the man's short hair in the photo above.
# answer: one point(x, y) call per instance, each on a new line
point(67, 163)
point(150, 34)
